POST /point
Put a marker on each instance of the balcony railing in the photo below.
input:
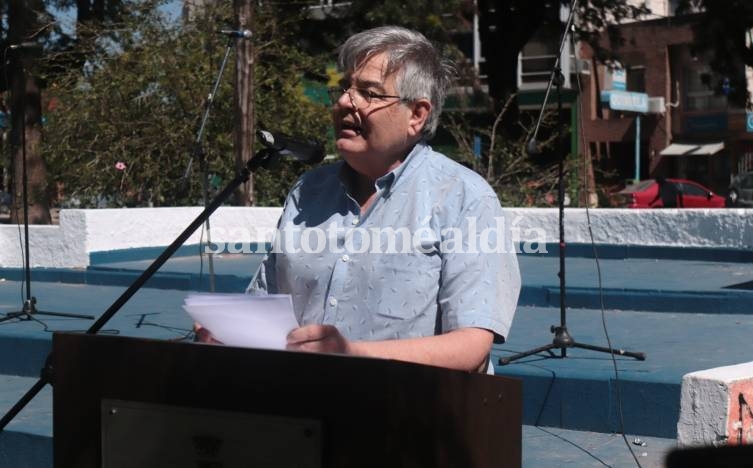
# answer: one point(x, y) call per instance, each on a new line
point(534, 70)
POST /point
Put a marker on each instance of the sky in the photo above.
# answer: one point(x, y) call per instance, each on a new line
point(67, 17)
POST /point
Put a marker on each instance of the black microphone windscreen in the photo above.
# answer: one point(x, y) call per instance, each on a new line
point(306, 151)
point(240, 34)
point(533, 148)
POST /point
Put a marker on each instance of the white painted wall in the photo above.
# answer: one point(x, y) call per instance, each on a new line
point(49, 246)
point(722, 228)
point(82, 232)
point(125, 228)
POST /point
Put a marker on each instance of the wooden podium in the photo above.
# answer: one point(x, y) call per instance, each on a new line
point(124, 402)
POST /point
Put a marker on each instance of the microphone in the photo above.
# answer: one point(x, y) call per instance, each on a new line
point(25, 45)
point(532, 147)
point(243, 34)
point(306, 151)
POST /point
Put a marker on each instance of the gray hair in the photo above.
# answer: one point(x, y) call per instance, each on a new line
point(422, 72)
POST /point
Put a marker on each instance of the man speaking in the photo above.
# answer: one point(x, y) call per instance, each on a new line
point(446, 284)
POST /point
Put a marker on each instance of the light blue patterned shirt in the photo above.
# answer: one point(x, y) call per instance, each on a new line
point(411, 266)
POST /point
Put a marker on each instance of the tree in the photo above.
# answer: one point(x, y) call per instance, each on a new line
point(127, 87)
point(121, 128)
point(506, 26)
point(25, 23)
point(29, 22)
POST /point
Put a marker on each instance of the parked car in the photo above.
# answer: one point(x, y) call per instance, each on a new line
point(689, 194)
point(740, 192)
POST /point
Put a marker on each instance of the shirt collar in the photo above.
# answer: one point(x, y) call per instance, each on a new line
point(389, 181)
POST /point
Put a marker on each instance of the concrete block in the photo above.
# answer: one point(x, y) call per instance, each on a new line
point(716, 407)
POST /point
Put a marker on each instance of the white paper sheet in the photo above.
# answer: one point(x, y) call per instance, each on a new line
point(244, 320)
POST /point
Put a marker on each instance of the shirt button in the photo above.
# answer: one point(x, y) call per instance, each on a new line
point(346, 258)
point(354, 222)
point(332, 301)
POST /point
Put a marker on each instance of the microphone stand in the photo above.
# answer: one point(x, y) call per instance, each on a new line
point(200, 154)
point(562, 338)
point(264, 158)
point(29, 307)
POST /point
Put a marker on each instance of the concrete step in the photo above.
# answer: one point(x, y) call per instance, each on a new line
point(684, 315)
point(626, 284)
point(581, 391)
point(577, 392)
point(27, 440)
point(25, 344)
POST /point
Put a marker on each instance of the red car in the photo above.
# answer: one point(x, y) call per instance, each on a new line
point(688, 194)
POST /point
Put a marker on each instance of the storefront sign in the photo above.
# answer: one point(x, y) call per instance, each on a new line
point(619, 79)
point(627, 101)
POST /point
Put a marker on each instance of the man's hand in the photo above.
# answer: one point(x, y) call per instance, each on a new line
point(464, 349)
point(318, 338)
point(202, 335)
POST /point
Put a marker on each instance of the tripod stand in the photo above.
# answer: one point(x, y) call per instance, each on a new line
point(562, 338)
point(198, 147)
point(29, 307)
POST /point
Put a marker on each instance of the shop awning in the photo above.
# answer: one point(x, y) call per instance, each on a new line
point(692, 149)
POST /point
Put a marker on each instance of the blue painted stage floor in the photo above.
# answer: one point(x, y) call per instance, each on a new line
point(681, 313)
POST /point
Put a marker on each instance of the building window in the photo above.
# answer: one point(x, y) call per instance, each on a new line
point(636, 79)
point(700, 89)
point(537, 58)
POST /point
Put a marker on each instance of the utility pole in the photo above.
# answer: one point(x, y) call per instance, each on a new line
point(244, 100)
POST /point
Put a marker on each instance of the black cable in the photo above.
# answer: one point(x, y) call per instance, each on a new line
point(537, 421)
point(13, 185)
point(598, 264)
point(46, 327)
point(583, 449)
point(20, 242)
point(201, 256)
point(184, 333)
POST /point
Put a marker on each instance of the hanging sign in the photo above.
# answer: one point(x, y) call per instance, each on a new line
point(627, 101)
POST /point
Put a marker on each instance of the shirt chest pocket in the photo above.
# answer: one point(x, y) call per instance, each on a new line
point(404, 285)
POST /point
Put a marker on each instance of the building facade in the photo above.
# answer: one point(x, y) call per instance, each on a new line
point(694, 128)
point(691, 122)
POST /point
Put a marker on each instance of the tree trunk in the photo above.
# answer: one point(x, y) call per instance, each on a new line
point(589, 197)
point(244, 99)
point(26, 123)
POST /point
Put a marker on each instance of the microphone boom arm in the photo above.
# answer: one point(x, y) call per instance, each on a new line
point(264, 158)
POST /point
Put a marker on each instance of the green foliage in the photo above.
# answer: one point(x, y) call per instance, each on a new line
point(138, 96)
point(518, 179)
point(128, 87)
point(138, 101)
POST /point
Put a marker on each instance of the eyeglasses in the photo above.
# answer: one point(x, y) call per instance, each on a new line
point(358, 95)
